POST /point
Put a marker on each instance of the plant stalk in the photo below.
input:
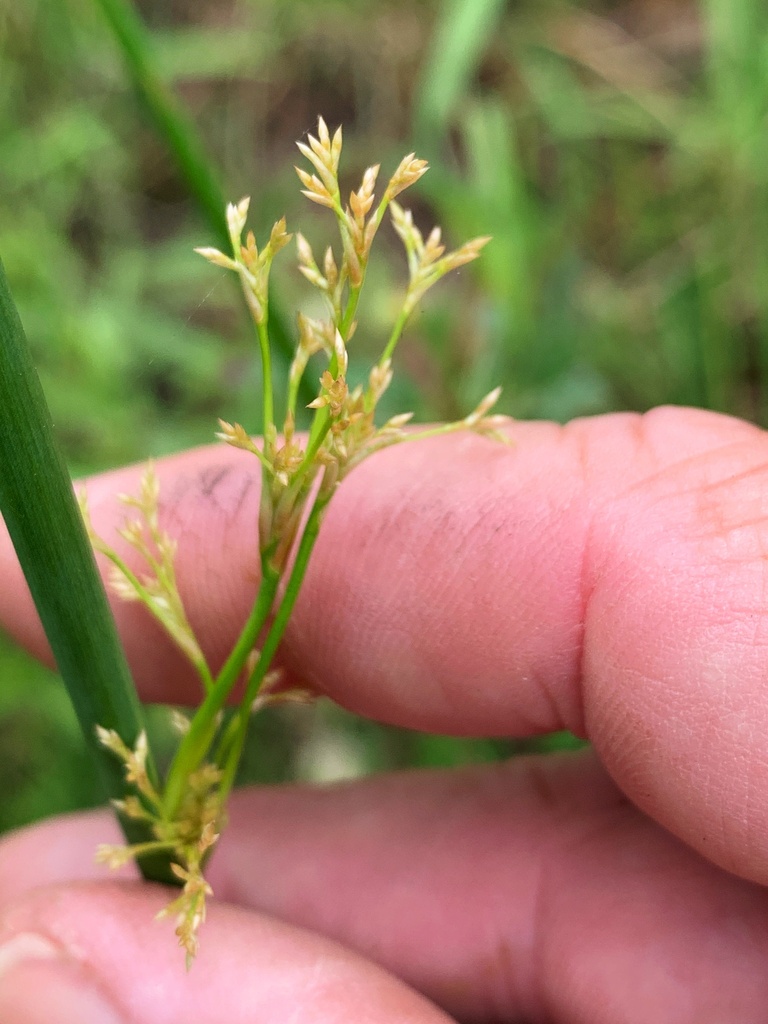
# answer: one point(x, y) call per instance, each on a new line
point(197, 742)
point(272, 641)
point(44, 522)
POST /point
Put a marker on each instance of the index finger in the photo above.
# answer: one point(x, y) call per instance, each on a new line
point(607, 577)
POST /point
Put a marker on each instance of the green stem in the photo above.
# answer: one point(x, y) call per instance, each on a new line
point(321, 421)
point(250, 632)
point(202, 731)
point(293, 394)
point(271, 643)
point(226, 739)
point(320, 427)
point(153, 846)
point(266, 376)
point(396, 334)
point(352, 302)
point(378, 216)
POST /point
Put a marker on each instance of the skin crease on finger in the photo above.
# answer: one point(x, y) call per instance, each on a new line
point(607, 577)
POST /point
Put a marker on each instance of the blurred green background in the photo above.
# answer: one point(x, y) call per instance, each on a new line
point(617, 151)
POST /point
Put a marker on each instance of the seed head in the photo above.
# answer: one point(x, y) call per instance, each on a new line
point(315, 190)
point(113, 857)
point(279, 237)
point(466, 253)
point(408, 173)
point(361, 201)
point(330, 269)
point(237, 214)
point(340, 352)
point(216, 257)
point(483, 407)
point(333, 393)
point(304, 250)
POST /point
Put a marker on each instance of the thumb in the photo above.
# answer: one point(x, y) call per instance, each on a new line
point(90, 954)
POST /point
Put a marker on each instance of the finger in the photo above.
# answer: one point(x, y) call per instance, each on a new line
point(210, 501)
point(531, 890)
point(607, 577)
point(61, 849)
point(91, 954)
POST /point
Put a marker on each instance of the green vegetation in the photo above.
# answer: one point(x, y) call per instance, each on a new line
point(617, 152)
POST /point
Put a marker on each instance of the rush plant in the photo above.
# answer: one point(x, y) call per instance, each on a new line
point(173, 823)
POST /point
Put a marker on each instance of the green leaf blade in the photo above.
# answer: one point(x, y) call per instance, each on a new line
point(43, 520)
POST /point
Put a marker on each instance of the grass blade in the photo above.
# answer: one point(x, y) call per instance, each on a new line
point(182, 138)
point(40, 511)
point(460, 37)
point(176, 129)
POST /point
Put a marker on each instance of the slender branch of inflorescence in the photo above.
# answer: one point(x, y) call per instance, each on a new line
point(300, 475)
point(156, 587)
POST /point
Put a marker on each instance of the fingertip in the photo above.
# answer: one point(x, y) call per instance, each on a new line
point(61, 849)
point(249, 967)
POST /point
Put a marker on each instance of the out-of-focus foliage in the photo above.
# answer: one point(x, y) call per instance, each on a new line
point(617, 151)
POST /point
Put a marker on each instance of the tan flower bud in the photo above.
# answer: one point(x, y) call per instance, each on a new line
point(216, 257)
point(408, 172)
point(236, 217)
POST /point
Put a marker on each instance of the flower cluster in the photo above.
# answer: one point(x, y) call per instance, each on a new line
point(187, 839)
point(300, 474)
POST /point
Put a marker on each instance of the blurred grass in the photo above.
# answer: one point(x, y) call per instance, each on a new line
point(616, 151)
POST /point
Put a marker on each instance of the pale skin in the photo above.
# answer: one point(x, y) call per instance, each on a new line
point(609, 577)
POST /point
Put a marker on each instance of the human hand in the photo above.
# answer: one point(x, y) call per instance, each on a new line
point(609, 578)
